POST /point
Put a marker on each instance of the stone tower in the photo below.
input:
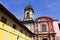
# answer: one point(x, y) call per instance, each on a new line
point(28, 13)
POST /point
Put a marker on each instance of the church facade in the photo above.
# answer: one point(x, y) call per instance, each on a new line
point(43, 28)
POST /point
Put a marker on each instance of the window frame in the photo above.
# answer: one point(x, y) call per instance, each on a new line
point(14, 26)
point(3, 19)
point(44, 28)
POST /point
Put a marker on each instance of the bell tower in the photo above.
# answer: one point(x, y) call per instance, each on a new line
point(28, 13)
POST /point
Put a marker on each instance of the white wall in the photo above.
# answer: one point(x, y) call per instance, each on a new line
point(56, 29)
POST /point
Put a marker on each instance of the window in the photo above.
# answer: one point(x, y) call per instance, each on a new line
point(44, 28)
point(3, 19)
point(29, 35)
point(27, 15)
point(25, 33)
point(21, 30)
point(14, 26)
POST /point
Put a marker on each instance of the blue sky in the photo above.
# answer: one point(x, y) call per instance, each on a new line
point(50, 8)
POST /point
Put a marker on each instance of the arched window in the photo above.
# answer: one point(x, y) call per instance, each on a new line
point(27, 15)
point(44, 39)
point(44, 28)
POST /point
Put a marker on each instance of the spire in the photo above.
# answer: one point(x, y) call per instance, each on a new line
point(28, 7)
